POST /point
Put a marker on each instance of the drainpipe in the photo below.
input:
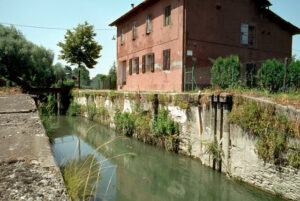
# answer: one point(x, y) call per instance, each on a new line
point(184, 46)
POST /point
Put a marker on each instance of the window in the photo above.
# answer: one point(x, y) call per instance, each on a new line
point(133, 30)
point(134, 66)
point(148, 63)
point(148, 24)
point(167, 15)
point(247, 34)
point(122, 73)
point(122, 37)
point(166, 59)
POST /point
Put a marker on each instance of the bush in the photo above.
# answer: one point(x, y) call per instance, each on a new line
point(163, 125)
point(293, 75)
point(226, 72)
point(271, 75)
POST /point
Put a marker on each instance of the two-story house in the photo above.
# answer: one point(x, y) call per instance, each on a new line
point(160, 41)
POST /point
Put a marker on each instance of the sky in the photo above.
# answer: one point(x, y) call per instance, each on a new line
point(100, 13)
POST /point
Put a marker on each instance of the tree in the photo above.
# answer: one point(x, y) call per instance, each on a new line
point(59, 72)
point(84, 74)
point(113, 76)
point(22, 62)
point(80, 48)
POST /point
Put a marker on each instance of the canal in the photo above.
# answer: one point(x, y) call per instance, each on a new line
point(151, 174)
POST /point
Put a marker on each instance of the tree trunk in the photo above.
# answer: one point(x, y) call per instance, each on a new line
point(79, 76)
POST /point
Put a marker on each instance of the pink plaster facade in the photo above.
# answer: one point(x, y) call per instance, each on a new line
point(207, 28)
point(161, 38)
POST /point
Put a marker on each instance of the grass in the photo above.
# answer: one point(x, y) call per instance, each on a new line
point(82, 176)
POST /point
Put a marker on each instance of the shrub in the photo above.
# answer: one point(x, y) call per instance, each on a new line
point(124, 122)
point(163, 125)
point(271, 75)
point(91, 111)
point(272, 130)
point(293, 74)
point(73, 109)
point(226, 72)
point(294, 157)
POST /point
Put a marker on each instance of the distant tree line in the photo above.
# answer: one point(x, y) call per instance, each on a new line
point(27, 65)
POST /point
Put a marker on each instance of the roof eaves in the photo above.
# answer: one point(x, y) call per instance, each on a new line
point(287, 25)
point(142, 5)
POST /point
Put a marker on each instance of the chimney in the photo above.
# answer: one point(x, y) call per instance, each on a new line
point(132, 5)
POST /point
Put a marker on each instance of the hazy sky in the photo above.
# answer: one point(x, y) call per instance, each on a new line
point(100, 13)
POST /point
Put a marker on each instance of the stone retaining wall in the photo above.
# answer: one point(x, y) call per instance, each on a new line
point(28, 169)
point(203, 119)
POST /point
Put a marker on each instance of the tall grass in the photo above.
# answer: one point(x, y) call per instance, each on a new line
point(82, 175)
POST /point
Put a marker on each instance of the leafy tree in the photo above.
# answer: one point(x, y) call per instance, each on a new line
point(271, 75)
point(59, 72)
point(22, 62)
point(80, 48)
point(113, 76)
point(226, 72)
point(84, 74)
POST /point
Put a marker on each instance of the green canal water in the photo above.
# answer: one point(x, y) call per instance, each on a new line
point(151, 175)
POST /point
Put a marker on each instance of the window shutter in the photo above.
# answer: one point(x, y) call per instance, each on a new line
point(144, 64)
point(148, 24)
point(164, 60)
point(120, 74)
point(122, 37)
point(130, 67)
point(168, 59)
point(244, 34)
point(152, 63)
point(133, 30)
point(137, 65)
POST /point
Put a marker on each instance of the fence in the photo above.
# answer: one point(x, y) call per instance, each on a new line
point(104, 83)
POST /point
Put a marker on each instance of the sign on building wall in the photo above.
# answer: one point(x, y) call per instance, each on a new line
point(189, 53)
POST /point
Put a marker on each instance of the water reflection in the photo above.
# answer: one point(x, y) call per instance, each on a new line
point(152, 175)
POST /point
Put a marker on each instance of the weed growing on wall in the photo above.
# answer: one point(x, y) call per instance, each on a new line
point(272, 130)
point(91, 111)
point(214, 151)
point(124, 122)
point(294, 156)
point(74, 109)
point(163, 125)
point(178, 101)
